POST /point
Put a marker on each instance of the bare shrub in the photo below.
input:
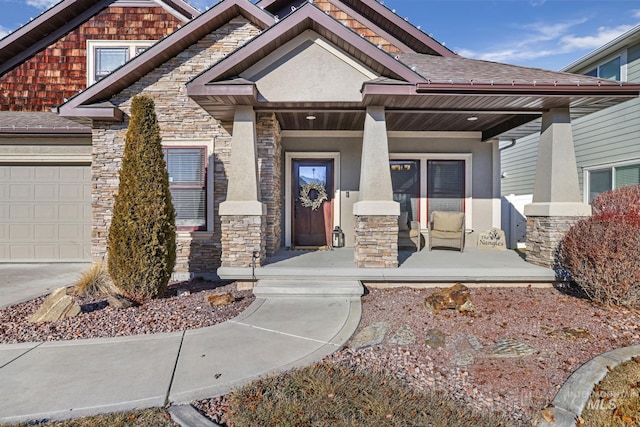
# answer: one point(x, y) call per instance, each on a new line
point(619, 201)
point(95, 282)
point(603, 256)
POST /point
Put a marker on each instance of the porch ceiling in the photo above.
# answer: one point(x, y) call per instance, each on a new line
point(495, 114)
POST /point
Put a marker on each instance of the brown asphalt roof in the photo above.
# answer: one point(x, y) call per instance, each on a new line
point(465, 71)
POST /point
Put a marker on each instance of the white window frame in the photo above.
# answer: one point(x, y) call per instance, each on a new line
point(586, 171)
point(623, 64)
point(208, 145)
point(92, 45)
point(468, 181)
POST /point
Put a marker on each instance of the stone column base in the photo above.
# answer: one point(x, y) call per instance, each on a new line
point(242, 236)
point(376, 241)
point(544, 235)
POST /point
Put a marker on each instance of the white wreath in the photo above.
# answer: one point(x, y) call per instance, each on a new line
point(320, 198)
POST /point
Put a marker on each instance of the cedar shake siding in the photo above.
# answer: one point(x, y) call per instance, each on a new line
point(59, 71)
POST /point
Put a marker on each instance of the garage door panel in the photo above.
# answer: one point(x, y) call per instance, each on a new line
point(45, 213)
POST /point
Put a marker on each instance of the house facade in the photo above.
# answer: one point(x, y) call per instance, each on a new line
point(45, 172)
point(607, 142)
point(282, 120)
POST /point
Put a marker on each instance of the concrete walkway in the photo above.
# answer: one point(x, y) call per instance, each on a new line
point(56, 380)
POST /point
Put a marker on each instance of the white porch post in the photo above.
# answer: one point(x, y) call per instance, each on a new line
point(556, 197)
point(376, 229)
point(243, 213)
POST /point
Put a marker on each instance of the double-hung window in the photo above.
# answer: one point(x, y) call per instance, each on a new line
point(104, 56)
point(188, 184)
point(601, 179)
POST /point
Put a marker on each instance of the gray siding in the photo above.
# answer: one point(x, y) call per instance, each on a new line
point(609, 136)
point(519, 166)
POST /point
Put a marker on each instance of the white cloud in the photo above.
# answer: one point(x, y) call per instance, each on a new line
point(636, 13)
point(41, 4)
point(602, 36)
point(535, 3)
point(3, 32)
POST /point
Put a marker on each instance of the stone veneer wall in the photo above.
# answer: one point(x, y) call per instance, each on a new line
point(270, 173)
point(180, 118)
point(242, 235)
point(544, 235)
point(376, 241)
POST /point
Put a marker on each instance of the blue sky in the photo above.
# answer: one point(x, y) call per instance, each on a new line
point(540, 33)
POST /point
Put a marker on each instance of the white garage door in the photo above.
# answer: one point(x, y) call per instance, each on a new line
point(45, 213)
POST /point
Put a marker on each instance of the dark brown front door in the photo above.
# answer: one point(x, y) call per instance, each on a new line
point(312, 182)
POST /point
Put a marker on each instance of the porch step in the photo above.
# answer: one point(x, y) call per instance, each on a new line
point(266, 288)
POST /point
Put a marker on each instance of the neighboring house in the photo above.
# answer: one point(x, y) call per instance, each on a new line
point(607, 142)
point(45, 173)
point(263, 108)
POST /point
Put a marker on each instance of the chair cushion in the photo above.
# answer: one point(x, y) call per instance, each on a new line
point(448, 221)
point(414, 233)
point(437, 234)
point(403, 221)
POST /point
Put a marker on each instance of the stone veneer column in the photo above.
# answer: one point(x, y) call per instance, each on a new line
point(243, 215)
point(376, 223)
point(270, 172)
point(556, 197)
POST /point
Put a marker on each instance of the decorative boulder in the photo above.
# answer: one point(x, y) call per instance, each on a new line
point(456, 297)
point(220, 299)
point(119, 302)
point(57, 306)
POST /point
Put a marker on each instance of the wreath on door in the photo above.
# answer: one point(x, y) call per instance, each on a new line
point(305, 199)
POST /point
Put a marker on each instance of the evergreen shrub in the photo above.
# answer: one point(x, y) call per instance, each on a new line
point(142, 237)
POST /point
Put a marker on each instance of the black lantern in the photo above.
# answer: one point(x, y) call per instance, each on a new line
point(337, 237)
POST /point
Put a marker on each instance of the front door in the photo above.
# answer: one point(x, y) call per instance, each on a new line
point(312, 202)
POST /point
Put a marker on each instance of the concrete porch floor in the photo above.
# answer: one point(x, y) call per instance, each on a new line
point(473, 266)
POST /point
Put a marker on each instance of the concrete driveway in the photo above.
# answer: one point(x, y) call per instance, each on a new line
point(21, 282)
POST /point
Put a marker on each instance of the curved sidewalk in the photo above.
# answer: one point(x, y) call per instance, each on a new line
point(55, 380)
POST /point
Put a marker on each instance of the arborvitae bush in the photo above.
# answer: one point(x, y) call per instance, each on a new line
point(142, 237)
point(602, 252)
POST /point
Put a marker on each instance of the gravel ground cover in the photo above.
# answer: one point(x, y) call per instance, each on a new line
point(98, 320)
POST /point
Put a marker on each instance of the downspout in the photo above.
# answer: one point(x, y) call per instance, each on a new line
point(513, 142)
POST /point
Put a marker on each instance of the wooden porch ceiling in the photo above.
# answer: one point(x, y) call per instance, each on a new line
point(493, 115)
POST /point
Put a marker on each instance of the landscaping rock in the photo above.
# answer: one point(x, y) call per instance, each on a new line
point(220, 299)
point(371, 335)
point(465, 347)
point(435, 338)
point(569, 333)
point(403, 336)
point(508, 347)
point(119, 302)
point(57, 306)
point(456, 297)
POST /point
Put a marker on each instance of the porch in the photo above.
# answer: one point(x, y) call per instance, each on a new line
point(473, 266)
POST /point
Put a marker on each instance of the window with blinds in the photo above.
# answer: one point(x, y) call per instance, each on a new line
point(606, 179)
point(187, 182)
point(405, 180)
point(445, 185)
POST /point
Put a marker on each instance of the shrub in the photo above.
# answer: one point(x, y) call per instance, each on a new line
point(142, 237)
point(619, 201)
point(328, 394)
point(602, 252)
point(94, 282)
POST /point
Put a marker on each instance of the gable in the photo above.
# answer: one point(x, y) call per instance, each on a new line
point(308, 69)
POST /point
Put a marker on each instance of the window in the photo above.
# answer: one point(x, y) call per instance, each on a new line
point(405, 180)
point(187, 182)
point(445, 185)
point(104, 56)
point(604, 179)
point(611, 70)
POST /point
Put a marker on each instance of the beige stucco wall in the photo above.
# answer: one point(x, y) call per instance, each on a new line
point(485, 203)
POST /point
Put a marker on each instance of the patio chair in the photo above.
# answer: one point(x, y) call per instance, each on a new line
point(446, 229)
point(409, 235)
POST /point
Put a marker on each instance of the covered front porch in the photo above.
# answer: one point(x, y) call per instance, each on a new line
point(475, 267)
